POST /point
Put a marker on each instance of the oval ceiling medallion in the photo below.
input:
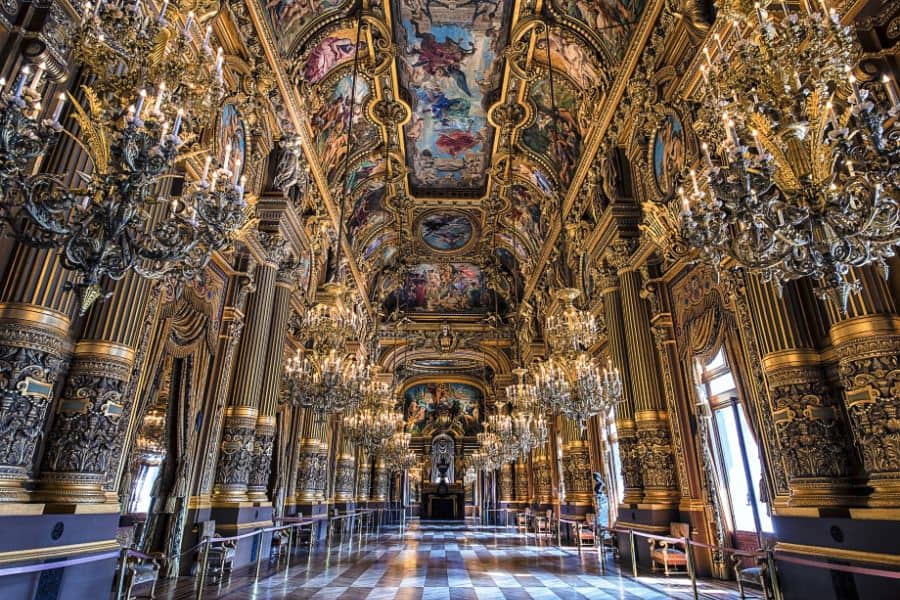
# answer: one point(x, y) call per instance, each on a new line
point(446, 231)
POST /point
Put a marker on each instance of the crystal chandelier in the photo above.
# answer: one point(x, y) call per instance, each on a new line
point(376, 420)
point(521, 395)
point(570, 330)
point(397, 454)
point(578, 388)
point(151, 92)
point(333, 321)
point(801, 161)
point(480, 460)
point(328, 382)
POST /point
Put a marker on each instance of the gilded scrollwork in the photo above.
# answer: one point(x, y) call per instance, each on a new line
point(654, 452)
point(344, 483)
point(632, 473)
point(236, 454)
point(261, 461)
point(576, 466)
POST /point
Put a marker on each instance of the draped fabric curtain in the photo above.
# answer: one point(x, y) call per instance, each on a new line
point(704, 327)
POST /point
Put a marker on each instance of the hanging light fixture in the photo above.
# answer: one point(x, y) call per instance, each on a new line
point(151, 90)
point(802, 162)
point(328, 382)
point(397, 454)
point(376, 419)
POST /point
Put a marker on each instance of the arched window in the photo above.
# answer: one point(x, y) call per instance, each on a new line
point(736, 458)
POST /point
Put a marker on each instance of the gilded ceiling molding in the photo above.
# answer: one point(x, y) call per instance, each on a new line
point(596, 134)
point(302, 127)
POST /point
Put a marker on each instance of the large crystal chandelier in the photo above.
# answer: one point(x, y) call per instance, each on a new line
point(376, 419)
point(397, 454)
point(152, 90)
point(801, 161)
point(480, 460)
point(570, 330)
point(328, 382)
point(333, 321)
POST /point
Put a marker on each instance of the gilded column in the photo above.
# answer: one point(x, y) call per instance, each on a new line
point(261, 463)
point(542, 473)
point(363, 476)
point(576, 465)
point(92, 411)
point(654, 447)
point(810, 430)
point(308, 463)
point(625, 425)
point(239, 430)
point(866, 341)
point(521, 474)
point(381, 479)
point(345, 473)
point(507, 489)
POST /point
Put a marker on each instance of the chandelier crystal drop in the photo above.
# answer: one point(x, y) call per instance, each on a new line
point(801, 162)
point(578, 388)
point(151, 92)
point(521, 395)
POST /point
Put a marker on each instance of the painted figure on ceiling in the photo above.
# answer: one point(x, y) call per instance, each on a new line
point(441, 58)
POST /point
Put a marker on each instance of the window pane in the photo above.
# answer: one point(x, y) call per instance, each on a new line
point(753, 456)
point(721, 384)
point(717, 361)
point(732, 460)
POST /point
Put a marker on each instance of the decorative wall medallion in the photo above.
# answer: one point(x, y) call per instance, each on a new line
point(446, 231)
point(668, 152)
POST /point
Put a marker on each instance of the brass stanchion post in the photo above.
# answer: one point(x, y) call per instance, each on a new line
point(123, 564)
point(633, 554)
point(689, 555)
point(204, 565)
point(259, 547)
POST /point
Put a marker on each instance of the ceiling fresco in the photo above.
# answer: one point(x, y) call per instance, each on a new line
point(449, 64)
point(430, 407)
point(431, 76)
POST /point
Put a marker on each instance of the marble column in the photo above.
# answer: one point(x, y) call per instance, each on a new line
point(542, 474)
point(310, 449)
point(381, 479)
point(345, 473)
point(866, 340)
point(363, 476)
point(521, 474)
point(241, 415)
point(91, 415)
point(261, 462)
point(576, 465)
point(507, 488)
point(810, 430)
point(624, 412)
point(654, 440)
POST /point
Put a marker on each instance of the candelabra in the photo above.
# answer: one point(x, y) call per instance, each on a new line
point(577, 388)
point(522, 395)
point(801, 162)
point(570, 330)
point(114, 216)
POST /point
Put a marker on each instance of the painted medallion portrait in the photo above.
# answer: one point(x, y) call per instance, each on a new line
point(231, 131)
point(446, 231)
point(668, 153)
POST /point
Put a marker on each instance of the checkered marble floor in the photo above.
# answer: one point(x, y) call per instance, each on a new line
point(440, 561)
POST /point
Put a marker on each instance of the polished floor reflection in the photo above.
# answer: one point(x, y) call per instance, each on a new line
point(450, 561)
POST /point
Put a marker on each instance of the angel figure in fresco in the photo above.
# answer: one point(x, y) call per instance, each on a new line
point(442, 58)
point(325, 56)
point(457, 141)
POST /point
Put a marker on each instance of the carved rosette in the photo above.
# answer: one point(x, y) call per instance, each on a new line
point(813, 441)
point(31, 359)
point(654, 453)
point(91, 415)
point(344, 479)
point(869, 369)
point(576, 465)
point(307, 473)
point(261, 462)
point(507, 490)
point(235, 455)
point(380, 482)
point(521, 481)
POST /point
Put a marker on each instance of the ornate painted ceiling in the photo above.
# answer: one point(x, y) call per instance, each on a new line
point(472, 122)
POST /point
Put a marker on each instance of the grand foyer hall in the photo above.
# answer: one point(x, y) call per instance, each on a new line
point(449, 298)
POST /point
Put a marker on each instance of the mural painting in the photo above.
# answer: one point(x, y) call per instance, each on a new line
point(533, 175)
point(555, 136)
point(446, 231)
point(368, 210)
point(570, 58)
point(612, 21)
point(330, 123)
point(668, 153)
point(451, 287)
point(450, 61)
point(438, 406)
point(334, 50)
point(525, 213)
point(231, 131)
point(289, 17)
